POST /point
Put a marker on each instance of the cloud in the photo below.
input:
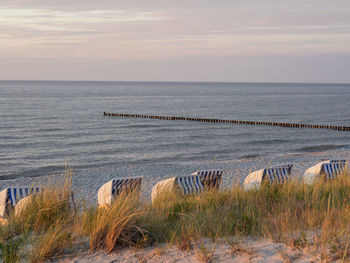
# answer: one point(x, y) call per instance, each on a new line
point(47, 32)
point(199, 37)
point(52, 20)
point(155, 29)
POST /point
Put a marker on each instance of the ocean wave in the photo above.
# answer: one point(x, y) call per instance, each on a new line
point(35, 172)
point(249, 156)
point(268, 141)
point(320, 148)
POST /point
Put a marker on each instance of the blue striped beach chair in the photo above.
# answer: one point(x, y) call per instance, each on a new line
point(195, 183)
point(333, 168)
point(211, 179)
point(328, 170)
point(184, 185)
point(189, 184)
point(9, 197)
point(110, 190)
point(279, 174)
point(273, 175)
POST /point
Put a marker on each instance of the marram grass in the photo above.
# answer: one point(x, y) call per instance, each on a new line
point(302, 215)
point(115, 225)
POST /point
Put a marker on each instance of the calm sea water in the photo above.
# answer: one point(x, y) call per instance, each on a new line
point(43, 124)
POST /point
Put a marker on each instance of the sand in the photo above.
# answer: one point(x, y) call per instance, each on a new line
point(248, 250)
point(86, 183)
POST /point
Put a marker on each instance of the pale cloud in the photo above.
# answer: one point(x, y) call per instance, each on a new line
point(46, 32)
point(51, 20)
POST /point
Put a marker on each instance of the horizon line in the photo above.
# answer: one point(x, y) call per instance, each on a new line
point(177, 81)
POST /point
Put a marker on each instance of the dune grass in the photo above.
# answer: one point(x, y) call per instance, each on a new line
point(315, 216)
point(113, 226)
point(44, 225)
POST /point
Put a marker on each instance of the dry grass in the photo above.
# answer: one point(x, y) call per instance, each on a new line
point(206, 254)
point(315, 217)
point(114, 225)
point(54, 241)
point(45, 223)
point(237, 249)
point(286, 213)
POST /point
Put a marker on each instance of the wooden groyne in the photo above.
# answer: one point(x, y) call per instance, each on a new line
point(265, 123)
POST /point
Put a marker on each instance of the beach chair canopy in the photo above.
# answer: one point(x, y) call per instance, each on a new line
point(273, 175)
point(113, 188)
point(327, 169)
point(9, 197)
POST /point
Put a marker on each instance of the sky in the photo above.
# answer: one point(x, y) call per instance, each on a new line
point(183, 40)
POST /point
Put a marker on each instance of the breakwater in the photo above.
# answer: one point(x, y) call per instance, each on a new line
point(243, 122)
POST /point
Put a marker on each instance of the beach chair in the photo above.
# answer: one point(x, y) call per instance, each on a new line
point(328, 170)
point(195, 183)
point(17, 198)
point(272, 175)
point(110, 190)
point(9, 197)
point(211, 179)
point(22, 204)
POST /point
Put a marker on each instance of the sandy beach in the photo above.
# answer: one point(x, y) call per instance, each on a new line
point(87, 182)
point(85, 185)
point(247, 250)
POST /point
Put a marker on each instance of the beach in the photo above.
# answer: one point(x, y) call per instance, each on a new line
point(174, 131)
point(86, 184)
point(249, 250)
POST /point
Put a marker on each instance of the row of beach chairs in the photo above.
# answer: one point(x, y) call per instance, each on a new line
point(196, 183)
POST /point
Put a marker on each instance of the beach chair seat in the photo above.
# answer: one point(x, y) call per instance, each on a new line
point(328, 170)
point(9, 197)
point(272, 175)
point(110, 190)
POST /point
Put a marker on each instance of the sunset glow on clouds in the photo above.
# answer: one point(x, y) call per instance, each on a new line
point(172, 30)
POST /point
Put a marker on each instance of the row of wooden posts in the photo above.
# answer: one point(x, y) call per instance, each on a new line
point(281, 124)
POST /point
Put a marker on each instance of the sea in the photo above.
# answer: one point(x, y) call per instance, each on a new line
point(44, 124)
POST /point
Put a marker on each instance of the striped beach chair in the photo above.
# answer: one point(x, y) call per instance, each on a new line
point(190, 184)
point(195, 183)
point(328, 169)
point(273, 175)
point(110, 190)
point(9, 197)
point(210, 178)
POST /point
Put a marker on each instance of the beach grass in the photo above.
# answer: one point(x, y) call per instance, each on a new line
point(314, 216)
point(44, 225)
point(113, 226)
